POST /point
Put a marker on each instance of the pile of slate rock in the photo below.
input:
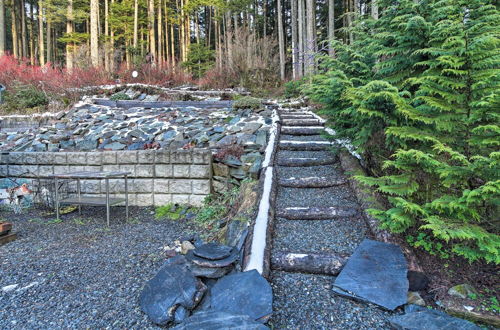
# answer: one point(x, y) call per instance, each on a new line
point(203, 289)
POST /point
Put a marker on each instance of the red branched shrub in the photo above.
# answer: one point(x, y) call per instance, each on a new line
point(158, 74)
point(235, 150)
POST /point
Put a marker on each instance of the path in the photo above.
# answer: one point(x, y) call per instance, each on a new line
point(316, 213)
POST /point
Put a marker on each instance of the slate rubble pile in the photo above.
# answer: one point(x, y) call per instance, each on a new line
point(203, 287)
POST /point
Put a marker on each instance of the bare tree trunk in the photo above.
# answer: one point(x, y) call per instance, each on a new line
point(15, 31)
point(151, 28)
point(302, 36)
point(48, 35)
point(136, 22)
point(94, 32)
point(31, 32)
point(187, 30)
point(172, 46)
point(182, 39)
point(160, 34)
point(106, 34)
point(111, 41)
point(331, 27)
point(2, 28)
point(350, 13)
point(311, 41)
point(69, 30)
point(165, 17)
point(41, 46)
point(374, 9)
point(281, 41)
point(23, 29)
point(295, 52)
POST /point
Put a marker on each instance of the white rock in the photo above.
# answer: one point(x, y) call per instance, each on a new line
point(9, 288)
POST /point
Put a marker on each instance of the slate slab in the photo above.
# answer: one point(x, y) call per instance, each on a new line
point(233, 257)
point(417, 317)
point(209, 272)
point(173, 286)
point(377, 273)
point(213, 251)
point(215, 320)
point(245, 293)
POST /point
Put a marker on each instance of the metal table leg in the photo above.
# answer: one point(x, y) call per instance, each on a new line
point(56, 201)
point(78, 188)
point(126, 197)
point(107, 200)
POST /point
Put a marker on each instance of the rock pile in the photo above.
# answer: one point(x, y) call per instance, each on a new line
point(197, 284)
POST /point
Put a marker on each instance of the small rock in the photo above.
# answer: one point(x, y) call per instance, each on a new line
point(9, 288)
point(415, 299)
point(462, 291)
point(186, 246)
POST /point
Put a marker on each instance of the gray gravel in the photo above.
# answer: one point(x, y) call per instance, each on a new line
point(337, 236)
point(315, 197)
point(82, 274)
point(284, 137)
point(304, 301)
point(323, 170)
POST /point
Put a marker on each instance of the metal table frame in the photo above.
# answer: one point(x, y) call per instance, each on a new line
point(96, 201)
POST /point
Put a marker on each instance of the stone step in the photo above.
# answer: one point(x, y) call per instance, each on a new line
point(303, 162)
point(315, 213)
point(302, 122)
point(297, 115)
point(309, 130)
point(305, 145)
point(311, 262)
point(311, 182)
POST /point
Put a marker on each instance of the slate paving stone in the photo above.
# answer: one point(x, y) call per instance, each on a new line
point(417, 317)
point(216, 320)
point(209, 272)
point(233, 257)
point(377, 273)
point(244, 293)
point(213, 251)
point(174, 285)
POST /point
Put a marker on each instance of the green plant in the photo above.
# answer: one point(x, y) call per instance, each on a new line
point(200, 59)
point(248, 102)
point(170, 211)
point(293, 88)
point(119, 96)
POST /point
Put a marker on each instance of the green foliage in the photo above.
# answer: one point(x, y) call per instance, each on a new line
point(216, 207)
point(293, 88)
point(248, 102)
point(28, 97)
point(119, 96)
point(418, 95)
point(200, 59)
point(170, 211)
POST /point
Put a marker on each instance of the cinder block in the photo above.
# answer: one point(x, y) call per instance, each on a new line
point(181, 171)
point(45, 158)
point(30, 158)
point(180, 199)
point(15, 158)
point(61, 169)
point(60, 158)
point(126, 157)
point(162, 156)
point(92, 168)
point(92, 187)
point(109, 157)
point(201, 187)
point(94, 158)
point(16, 170)
point(181, 157)
point(128, 168)
point(161, 186)
point(200, 171)
point(4, 171)
point(162, 199)
point(163, 171)
point(76, 168)
point(197, 200)
point(201, 156)
point(110, 168)
point(142, 185)
point(77, 158)
point(30, 171)
point(144, 171)
point(144, 199)
point(180, 187)
point(146, 157)
point(45, 170)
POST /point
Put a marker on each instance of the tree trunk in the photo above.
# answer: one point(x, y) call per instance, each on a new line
point(23, 29)
point(281, 41)
point(187, 30)
point(314, 263)
point(181, 32)
point(15, 30)
point(69, 30)
point(41, 45)
point(295, 52)
point(374, 9)
point(112, 41)
point(311, 39)
point(48, 34)
point(2, 28)
point(136, 22)
point(160, 34)
point(151, 29)
point(94, 32)
point(106, 34)
point(331, 27)
point(32, 35)
point(301, 35)
point(172, 46)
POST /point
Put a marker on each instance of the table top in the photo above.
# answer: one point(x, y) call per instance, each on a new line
point(89, 175)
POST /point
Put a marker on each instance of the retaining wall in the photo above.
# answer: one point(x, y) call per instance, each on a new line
point(158, 177)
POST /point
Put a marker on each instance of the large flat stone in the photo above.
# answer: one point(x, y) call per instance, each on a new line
point(215, 320)
point(173, 286)
point(417, 317)
point(233, 257)
point(243, 293)
point(376, 272)
point(213, 251)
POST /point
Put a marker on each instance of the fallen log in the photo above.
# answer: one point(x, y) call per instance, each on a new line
point(312, 182)
point(315, 213)
point(302, 122)
point(300, 162)
point(312, 130)
point(313, 263)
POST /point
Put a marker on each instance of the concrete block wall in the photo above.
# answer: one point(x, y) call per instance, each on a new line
point(158, 177)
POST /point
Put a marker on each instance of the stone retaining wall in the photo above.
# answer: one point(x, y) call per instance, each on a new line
point(158, 177)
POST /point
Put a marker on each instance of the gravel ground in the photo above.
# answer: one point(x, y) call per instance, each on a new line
point(323, 170)
point(315, 197)
point(304, 301)
point(286, 154)
point(337, 236)
point(79, 273)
